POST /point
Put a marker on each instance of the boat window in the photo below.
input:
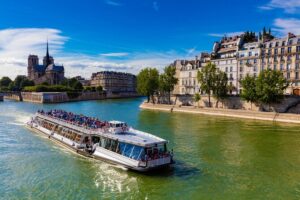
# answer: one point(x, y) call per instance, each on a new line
point(132, 151)
point(95, 139)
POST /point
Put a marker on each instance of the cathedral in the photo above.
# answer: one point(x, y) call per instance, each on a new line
point(48, 72)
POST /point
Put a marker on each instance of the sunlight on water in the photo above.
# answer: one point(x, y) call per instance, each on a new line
point(216, 157)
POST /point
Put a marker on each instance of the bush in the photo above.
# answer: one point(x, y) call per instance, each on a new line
point(45, 88)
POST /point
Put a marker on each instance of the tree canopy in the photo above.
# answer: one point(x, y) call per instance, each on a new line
point(148, 82)
point(206, 78)
point(270, 86)
point(167, 81)
point(220, 88)
point(249, 89)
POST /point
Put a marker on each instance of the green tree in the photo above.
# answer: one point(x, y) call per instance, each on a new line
point(167, 81)
point(148, 82)
point(197, 98)
point(206, 79)
point(99, 88)
point(220, 88)
point(78, 86)
point(270, 86)
point(5, 81)
point(17, 82)
point(26, 82)
point(249, 89)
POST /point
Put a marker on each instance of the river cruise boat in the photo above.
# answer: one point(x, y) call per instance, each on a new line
point(112, 141)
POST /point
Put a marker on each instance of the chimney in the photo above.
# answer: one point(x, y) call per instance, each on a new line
point(291, 35)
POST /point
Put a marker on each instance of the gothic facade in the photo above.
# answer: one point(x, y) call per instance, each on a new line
point(47, 72)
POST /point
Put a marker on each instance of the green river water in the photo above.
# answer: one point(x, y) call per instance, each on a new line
point(216, 157)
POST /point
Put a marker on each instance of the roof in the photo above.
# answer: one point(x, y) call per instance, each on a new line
point(56, 68)
point(39, 68)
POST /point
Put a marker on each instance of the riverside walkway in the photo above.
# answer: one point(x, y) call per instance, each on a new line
point(245, 114)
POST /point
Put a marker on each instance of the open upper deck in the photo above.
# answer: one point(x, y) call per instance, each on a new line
point(115, 130)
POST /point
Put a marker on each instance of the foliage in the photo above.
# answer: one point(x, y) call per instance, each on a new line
point(167, 80)
point(73, 83)
point(148, 82)
point(249, 37)
point(50, 88)
point(197, 98)
point(19, 83)
point(249, 89)
point(206, 78)
point(99, 88)
point(89, 89)
point(270, 86)
point(5, 81)
point(220, 88)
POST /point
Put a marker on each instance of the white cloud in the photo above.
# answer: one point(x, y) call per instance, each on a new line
point(227, 34)
point(289, 6)
point(115, 54)
point(284, 26)
point(155, 6)
point(17, 44)
point(113, 3)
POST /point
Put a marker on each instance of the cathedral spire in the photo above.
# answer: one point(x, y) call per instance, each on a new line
point(48, 61)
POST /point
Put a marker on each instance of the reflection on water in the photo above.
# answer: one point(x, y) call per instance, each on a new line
point(216, 158)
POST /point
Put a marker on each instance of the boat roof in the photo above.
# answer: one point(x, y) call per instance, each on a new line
point(131, 136)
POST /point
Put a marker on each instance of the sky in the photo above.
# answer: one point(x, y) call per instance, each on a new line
point(87, 36)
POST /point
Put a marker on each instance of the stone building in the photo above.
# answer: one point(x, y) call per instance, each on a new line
point(283, 54)
point(48, 72)
point(186, 72)
point(248, 61)
point(83, 81)
point(224, 56)
point(114, 82)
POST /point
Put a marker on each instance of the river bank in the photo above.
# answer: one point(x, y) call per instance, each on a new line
point(245, 114)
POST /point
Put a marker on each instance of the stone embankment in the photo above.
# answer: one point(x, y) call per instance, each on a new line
point(245, 114)
point(61, 97)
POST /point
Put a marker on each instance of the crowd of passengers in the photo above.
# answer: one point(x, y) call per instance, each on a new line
point(81, 120)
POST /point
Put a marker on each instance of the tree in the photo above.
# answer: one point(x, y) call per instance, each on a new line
point(17, 82)
point(5, 81)
point(78, 86)
point(270, 86)
point(249, 89)
point(220, 88)
point(206, 79)
point(26, 82)
point(167, 81)
point(197, 98)
point(148, 82)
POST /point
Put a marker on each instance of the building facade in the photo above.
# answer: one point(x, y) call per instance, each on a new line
point(248, 61)
point(114, 82)
point(224, 56)
point(186, 72)
point(48, 72)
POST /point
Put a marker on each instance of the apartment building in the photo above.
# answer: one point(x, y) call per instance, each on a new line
point(224, 56)
point(248, 61)
point(186, 72)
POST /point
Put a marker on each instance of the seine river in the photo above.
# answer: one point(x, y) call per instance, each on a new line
point(216, 158)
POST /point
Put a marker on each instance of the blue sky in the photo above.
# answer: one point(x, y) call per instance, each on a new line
point(93, 35)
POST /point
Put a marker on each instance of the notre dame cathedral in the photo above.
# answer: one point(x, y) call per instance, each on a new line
point(48, 72)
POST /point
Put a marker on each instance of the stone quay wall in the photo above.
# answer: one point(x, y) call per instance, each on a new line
point(290, 104)
point(60, 97)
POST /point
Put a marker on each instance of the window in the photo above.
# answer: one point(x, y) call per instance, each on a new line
point(255, 68)
point(255, 61)
point(241, 76)
point(190, 74)
point(226, 69)
point(282, 50)
point(298, 41)
point(276, 44)
point(270, 52)
point(297, 75)
point(271, 45)
point(288, 75)
point(290, 42)
point(241, 69)
point(298, 49)
point(283, 43)
point(274, 67)
point(231, 77)
point(250, 53)
point(288, 67)
point(276, 51)
point(289, 58)
point(281, 67)
point(289, 49)
point(230, 69)
point(297, 66)
point(241, 62)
